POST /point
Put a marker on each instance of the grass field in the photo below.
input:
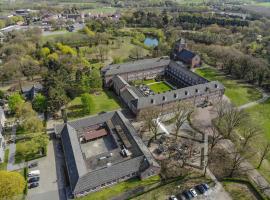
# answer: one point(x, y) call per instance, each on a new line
point(105, 101)
point(121, 187)
point(239, 93)
point(261, 115)
point(238, 191)
point(159, 87)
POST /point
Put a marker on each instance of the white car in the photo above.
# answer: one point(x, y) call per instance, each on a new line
point(173, 197)
point(193, 192)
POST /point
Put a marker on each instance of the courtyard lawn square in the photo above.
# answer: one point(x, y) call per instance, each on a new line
point(159, 87)
point(238, 92)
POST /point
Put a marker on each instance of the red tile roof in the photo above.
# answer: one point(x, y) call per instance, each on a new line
point(90, 135)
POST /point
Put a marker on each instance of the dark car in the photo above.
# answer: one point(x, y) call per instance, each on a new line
point(33, 179)
point(200, 188)
point(205, 186)
point(32, 165)
point(33, 185)
point(187, 194)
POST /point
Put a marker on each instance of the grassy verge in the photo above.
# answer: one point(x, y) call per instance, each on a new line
point(121, 187)
point(239, 93)
point(105, 101)
point(3, 165)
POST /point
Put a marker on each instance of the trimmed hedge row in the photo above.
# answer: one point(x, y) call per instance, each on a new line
point(251, 185)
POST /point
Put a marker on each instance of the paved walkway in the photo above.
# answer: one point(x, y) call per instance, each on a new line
point(264, 98)
point(11, 166)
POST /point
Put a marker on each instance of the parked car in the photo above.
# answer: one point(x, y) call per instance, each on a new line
point(34, 173)
point(187, 194)
point(32, 165)
point(33, 185)
point(206, 187)
point(33, 179)
point(193, 192)
point(172, 197)
point(200, 188)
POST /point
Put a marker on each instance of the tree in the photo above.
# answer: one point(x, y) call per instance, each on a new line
point(87, 103)
point(181, 113)
point(2, 94)
point(95, 80)
point(136, 53)
point(39, 103)
point(152, 120)
point(263, 154)
point(11, 184)
point(214, 138)
point(249, 133)
point(232, 118)
point(15, 102)
point(29, 66)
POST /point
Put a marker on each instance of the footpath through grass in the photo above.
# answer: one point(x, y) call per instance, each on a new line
point(3, 165)
point(103, 102)
point(239, 93)
point(116, 190)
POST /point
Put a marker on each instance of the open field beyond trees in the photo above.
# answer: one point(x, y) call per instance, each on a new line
point(239, 93)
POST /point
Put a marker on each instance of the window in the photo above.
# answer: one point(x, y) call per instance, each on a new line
point(196, 90)
point(175, 95)
point(163, 98)
point(216, 86)
point(152, 101)
point(186, 92)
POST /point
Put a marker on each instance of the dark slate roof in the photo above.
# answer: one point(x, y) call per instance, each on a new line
point(128, 94)
point(185, 56)
point(98, 177)
point(135, 66)
point(73, 155)
point(31, 90)
point(195, 90)
point(119, 81)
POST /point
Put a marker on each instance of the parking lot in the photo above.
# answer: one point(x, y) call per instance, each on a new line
point(48, 183)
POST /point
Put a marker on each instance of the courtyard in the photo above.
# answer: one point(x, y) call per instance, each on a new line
point(160, 87)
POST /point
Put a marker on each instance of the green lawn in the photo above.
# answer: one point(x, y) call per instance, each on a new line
point(238, 191)
point(116, 190)
point(160, 87)
point(239, 93)
point(105, 101)
point(261, 115)
point(3, 165)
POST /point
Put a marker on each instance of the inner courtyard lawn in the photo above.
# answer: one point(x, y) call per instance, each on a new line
point(159, 87)
point(119, 188)
point(103, 102)
point(238, 92)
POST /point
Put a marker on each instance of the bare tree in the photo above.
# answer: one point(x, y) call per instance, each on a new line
point(265, 151)
point(249, 134)
point(220, 108)
point(181, 113)
point(152, 119)
point(214, 139)
point(231, 120)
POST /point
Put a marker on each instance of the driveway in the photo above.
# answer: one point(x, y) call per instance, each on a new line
point(51, 187)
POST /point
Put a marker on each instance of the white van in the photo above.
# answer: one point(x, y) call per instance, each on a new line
point(34, 173)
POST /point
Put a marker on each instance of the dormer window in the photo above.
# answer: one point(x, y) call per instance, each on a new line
point(163, 98)
point(216, 86)
point(186, 92)
point(175, 95)
point(196, 90)
point(152, 101)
